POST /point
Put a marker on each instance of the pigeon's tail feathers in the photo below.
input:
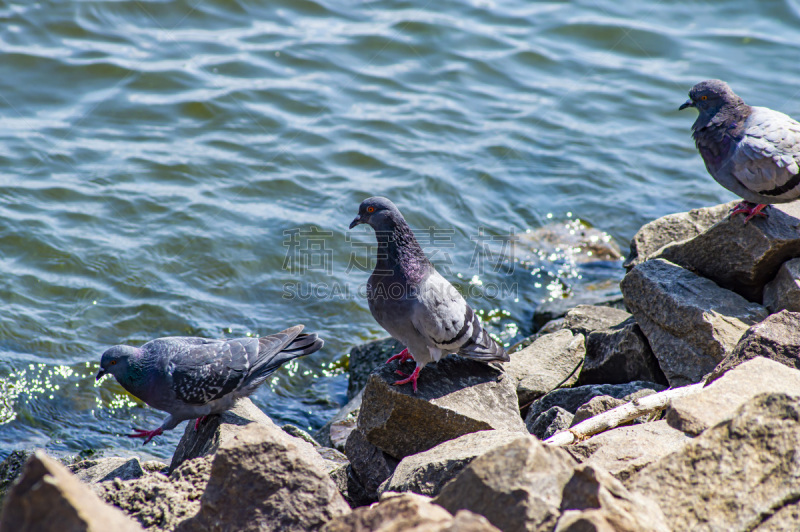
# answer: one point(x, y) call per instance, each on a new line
point(275, 352)
point(304, 344)
point(481, 346)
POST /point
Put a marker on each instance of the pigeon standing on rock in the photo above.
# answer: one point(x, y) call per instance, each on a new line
point(752, 151)
point(415, 304)
point(195, 377)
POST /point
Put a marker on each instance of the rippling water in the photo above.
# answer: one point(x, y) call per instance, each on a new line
point(175, 167)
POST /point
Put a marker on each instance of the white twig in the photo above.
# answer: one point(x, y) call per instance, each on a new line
point(621, 414)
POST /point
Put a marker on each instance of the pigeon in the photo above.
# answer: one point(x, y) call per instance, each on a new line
point(752, 151)
point(413, 302)
point(190, 377)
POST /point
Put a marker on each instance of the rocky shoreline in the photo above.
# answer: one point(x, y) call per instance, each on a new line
point(684, 414)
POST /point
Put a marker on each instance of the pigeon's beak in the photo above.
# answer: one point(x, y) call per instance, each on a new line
point(100, 374)
point(356, 221)
point(687, 103)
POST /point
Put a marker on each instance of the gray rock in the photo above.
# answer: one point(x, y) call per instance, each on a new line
point(776, 338)
point(619, 354)
point(155, 466)
point(456, 396)
point(47, 497)
point(335, 432)
point(553, 420)
point(365, 358)
point(595, 405)
point(690, 323)
point(297, 432)
point(263, 479)
point(545, 363)
point(624, 451)
point(427, 472)
point(215, 431)
point(516, 487)
point(719, 400)
point(370, 466)
point(408, 511)
point(737, 475)
point(549, 327)
point(570, 399)
point(10, 468)
point(596, 501)
point(742, 258)
point(673, 228)
point(556, 308)
point(783, 292)
point(337, 466)
point(584, 319)
point(105, 469)
point(156, 501)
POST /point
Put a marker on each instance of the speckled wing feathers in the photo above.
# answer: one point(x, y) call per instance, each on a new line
point(203, 371)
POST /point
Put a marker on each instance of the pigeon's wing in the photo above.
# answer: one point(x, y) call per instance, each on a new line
point(277, 349)
point(206, 370)
point(442, 315)
point(767, 160)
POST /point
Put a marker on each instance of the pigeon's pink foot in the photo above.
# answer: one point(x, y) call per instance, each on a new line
point(146, 434)
point(198, 421)
point(402, 356)
point(750, 209)
point(411, 378)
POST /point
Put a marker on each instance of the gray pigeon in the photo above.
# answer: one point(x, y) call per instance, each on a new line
point(415, 304)
point(752, 151)
point(195, 377)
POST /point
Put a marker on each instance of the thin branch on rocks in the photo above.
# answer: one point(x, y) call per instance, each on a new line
point(621, 414)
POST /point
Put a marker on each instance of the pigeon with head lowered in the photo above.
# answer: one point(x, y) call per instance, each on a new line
point(415, 304)
point(752, 151)
point(191, 377)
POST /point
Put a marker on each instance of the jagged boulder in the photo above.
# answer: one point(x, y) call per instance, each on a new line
point(456, 396)
point(690, 323)
point(783, 292)
point(673, 228)
point(408, 511)
point(263, 479)
point(427, 472)
point(105, 469)
point(741, 257)
point(365, 358)
point(571, 399)
point(157, 501)
point(584, 319)
point(517, 486)
point(336, 431)
point(556, 308)
point(545, 363)
point(740, 475)
point(619, 354)
point(216, 430)
point(369, 465)
point(596, 501)
point(776, 338)
point(47, 497)
point(624, 451)
point(720, 400)
point(553, 420)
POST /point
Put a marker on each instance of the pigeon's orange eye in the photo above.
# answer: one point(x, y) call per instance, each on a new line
point(704, 97)
point(113, 362)
point(370, 209)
